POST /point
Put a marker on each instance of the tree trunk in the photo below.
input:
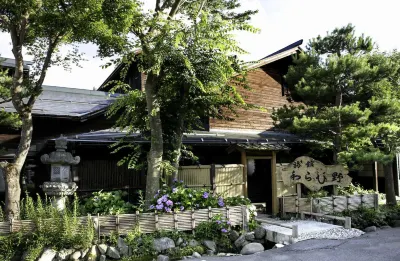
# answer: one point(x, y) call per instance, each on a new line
point(389, 184)
point(176, 147)
point(338, 136)
point(155, 155)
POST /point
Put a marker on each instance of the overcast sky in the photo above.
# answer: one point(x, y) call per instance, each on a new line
point(282, 22)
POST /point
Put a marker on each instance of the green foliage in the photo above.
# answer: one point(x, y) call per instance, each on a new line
point(108, 203)
point(141, 244)
point(354, 190)
point(178, 253)
point(317, 194)
point(9, 245)
point(217, 229)
point(365, 217)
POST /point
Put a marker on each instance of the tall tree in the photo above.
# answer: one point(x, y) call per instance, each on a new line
point(187, 52)
point(40, 28)
point(343, 84)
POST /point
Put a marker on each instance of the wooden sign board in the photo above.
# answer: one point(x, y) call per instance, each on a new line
point(314, 174)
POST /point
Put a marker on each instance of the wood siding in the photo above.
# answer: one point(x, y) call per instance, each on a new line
point(105, 174)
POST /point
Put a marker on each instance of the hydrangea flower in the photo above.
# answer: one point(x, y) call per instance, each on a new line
point(169, 203)
point(224, 230)
point(167, 209)
point(151, 206)
point(159, 201)
point(205, 195)
point(164, 198)
point(228, 222)
point(182, 208)
point(174, 190)
point(218, 222)
point(221, 202)
point(159, 206)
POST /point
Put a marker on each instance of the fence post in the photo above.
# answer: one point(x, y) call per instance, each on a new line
point(209, 214)
point(376, 201)
point(283, 206)
point(297, 204)
point(193, 221)
point(361, 200)
point(245, 218)
point(333, 203)
point(347, 223)
point(311, 205)
point(347, 202)
point(227, 213)
point(302, 216)
point(137, 219)
point(11, 224)
point(295, 231)
point(212, 179)
point(98, 226)
point(116, 224)
point(175, 220)
point(156, 220)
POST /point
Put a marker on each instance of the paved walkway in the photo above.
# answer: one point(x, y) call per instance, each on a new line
point(383, 245)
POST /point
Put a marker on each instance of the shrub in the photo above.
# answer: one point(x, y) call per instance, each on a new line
point(217, 229)
point(108, 203)
point(178, 253)
point(365, 217)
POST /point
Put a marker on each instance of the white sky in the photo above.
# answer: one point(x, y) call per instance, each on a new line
point(282, 22)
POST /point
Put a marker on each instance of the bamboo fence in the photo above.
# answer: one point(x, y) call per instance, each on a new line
point(327, 205)
point(147, 222)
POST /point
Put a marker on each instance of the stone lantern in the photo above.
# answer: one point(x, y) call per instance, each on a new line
point(61, 183)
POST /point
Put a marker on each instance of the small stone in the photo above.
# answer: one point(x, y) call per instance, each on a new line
point(103, 258)
point(76, 255)
point(164, 243)
point(250, 236)
point(102, 248)
point(233, 235)
point(162, 258)
point(370, 229)
point(179, 241)
point(396, 223)
point(210, 252)
point(279, 245)
point(252, 248)
point(48, 255)
point(259, 232)
point(193, 243)
point(241, 242)
point(93, 253)
point(196, 255)
point(221, 254)
point(211, 245)
point(112, 252)
point(122, 247)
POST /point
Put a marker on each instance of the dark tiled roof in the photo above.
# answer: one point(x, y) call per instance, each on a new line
point(62, 102)
point(290, 46)
point(262, 146)
point(10, 63)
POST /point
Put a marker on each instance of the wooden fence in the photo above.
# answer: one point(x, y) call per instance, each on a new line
point(147, 222)
point(328, 204)
point(222, 179)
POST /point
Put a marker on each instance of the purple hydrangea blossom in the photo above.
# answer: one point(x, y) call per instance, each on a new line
point(167, 209)
point(205, 195)
point(174, 190)
point(164, 198)
point(218, 222)
point(151, 206)
point(159, 201)
point(221, 202)
point(159, 206)
point(228, 222)
point(224, 230)
point(182, 208)
point(169, 203)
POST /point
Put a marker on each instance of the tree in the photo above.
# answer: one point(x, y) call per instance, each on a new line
point(342, 81)
point(41, 28)
point(186, 52)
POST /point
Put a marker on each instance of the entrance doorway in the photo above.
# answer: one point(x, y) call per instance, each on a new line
point(259, 181)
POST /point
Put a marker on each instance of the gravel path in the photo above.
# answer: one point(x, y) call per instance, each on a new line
point(335, 233)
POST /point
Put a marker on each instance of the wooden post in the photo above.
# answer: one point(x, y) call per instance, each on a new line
point(244, 163)
point(137, 219)
point(193, 221)
point(335, 190)
point(116, 224)
point(283, 206)
point(347, 223)
point(98, 226)
point(209, 214)
point(375, 176)
point(175, 220)
point(11, 224)
point(212, 179)
point(333, 203)
point(311, 205)
point(274, 185)
point(156, 223)
point(302, 216)
point(245, 219)
point(376, 201)
point(227, 213)
point(295, 231)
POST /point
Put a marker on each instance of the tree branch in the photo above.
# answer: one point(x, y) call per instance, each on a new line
point(175, 7)
point(4, 20)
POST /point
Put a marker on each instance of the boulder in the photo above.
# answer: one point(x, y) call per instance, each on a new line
point(193, 243)
point(259, 232)
point(233, 235)
point(102, 248)
point(385, 227)
point(196, 255)
point(93, 253)
point(210, 252)
point(396, 223)
point(48, 255)
point(164, 243)
point(252, 248)
point(113, 253)
point(103, 258)
point(241, 242)
point(162, 258)
point(75, 256)
point(84, 252)
point(211, 245)
point(123, 247)
point(250, 236)
point(64, 255)
point(370, 229)
point(179, 241)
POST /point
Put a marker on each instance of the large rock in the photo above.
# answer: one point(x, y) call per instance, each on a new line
point(64, 254)
point(193, 243)
point(233, 235)
point(76, 255)
point(48, 255)
point(103, 258)
point(162, 258)
point(93, 253)
point(211, 245)
point(123, 247)
point(396, 223)
point(241, 242)
point(252, 248)
point(164, 243)
point(113, 253)
point(250, 236)
point(370, 229)
point(260, 232)
point(84, 252)
point(102, 248)
point(196, 255)
point(179, 241)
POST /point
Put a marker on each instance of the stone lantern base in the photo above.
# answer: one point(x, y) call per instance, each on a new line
point(59, 191)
